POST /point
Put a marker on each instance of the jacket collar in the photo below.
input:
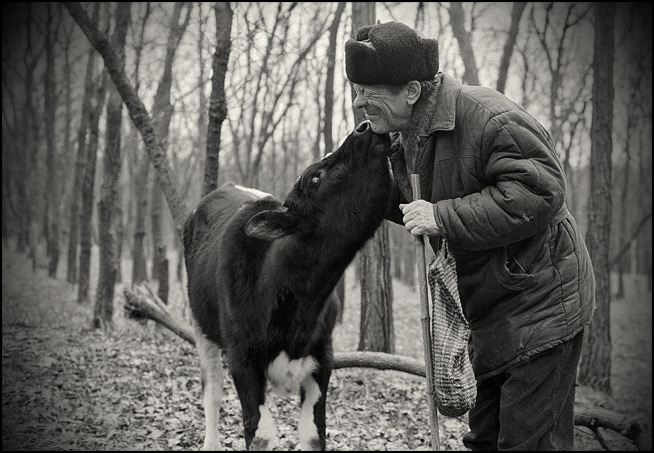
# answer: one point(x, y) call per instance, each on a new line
point(445, 114)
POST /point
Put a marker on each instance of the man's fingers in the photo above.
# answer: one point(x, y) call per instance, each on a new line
point(412, 227)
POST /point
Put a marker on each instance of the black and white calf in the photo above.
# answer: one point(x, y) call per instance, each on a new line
point(260, 276)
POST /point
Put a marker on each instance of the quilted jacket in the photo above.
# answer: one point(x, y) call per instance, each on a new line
point(524, 274)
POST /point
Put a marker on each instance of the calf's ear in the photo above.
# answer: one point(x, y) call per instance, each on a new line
point(271, 225)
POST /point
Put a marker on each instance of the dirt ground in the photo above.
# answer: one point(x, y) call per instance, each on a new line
point(67, 387)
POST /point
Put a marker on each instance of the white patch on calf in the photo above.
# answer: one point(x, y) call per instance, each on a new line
point(255, 192)
point(264, 436)
point(307, 430)
point(285, 376)
point(212, 377)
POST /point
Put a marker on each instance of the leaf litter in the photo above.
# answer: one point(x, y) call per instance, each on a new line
point(137, 387)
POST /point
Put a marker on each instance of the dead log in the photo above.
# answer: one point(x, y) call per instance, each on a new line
point(639, 433)
point(143, 303)
point(379, 361)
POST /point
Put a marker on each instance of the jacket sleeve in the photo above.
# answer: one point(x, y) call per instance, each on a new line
point(525, 189)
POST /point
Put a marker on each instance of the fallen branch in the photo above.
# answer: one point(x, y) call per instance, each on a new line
point(146, 304)
point(379, 361)
point(638, 433)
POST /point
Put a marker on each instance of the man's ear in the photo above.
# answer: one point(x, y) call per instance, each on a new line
point(413, 91)
point(271, 225)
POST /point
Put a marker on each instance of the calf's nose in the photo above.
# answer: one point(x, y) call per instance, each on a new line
point(363, 128)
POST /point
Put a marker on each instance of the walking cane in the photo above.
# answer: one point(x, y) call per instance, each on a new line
point(424, 320)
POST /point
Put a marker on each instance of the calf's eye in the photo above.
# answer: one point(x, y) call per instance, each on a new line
point(314, 181)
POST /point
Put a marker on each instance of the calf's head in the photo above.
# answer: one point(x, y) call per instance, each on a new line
point(341, 197)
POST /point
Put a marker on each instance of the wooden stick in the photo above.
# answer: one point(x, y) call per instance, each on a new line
point(424, 321)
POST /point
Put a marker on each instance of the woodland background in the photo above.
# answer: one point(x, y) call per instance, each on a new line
point(254, 92)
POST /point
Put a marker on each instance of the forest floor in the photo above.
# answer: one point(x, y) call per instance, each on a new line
point(137, 387)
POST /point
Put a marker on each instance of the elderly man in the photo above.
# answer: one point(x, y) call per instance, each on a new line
point(494, 187)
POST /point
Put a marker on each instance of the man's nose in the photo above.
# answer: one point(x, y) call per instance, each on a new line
point(359, 101)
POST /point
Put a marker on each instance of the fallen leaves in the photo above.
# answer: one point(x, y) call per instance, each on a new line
point(66, 387)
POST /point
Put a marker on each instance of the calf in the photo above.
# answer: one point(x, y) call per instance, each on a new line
point(260, 275)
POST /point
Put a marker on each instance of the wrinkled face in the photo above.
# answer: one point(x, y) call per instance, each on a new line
point(387, 108)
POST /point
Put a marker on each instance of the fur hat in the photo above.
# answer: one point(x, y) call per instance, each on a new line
point(390, 54)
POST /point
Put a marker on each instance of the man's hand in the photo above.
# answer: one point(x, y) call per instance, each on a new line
point(419, 218)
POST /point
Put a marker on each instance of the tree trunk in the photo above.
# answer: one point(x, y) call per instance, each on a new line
point(376, 331)
point(457, 20)
point(80, 163)
point(516, 14)
point(624, 215)
point(339, 293)
point(217, 102)
point(139, 267)
point(162, 275)
point(595, 365)
point(329, 82)
point(162, 111)
point(52, 191)
point(87, 190)
point(156, 229)
point(203, 111)
point(67, 166)
point(25, 239)
point(108, 221)
point(137, 112)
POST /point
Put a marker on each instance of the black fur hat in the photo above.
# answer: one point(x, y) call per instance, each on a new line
point(390, 54)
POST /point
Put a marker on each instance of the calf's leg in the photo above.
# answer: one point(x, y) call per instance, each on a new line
point(212, 388)
point(312, 424)
point(258, 424)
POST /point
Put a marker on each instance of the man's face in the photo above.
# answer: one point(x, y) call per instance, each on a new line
point(387, 108)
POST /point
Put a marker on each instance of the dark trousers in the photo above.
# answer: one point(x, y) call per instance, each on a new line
point(529, 406)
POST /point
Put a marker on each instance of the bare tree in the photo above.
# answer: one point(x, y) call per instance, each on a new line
point(108, 221)
point(52, 192)
point(162, 111)
point(139, 268)
point(631, 249)
point(516, 14)
point(266, 92)
point(80, 162)
point(87, 189)
point(68, 160)
point(329, 82)
point(457, 21)
point(28, 138)
point(217, 101)
point(595, 365)
point(624, 195)
point(556, 30)
point(315, 67)
point(137, 111)
point(376, 331)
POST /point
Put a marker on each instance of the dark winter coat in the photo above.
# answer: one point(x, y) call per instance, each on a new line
point(524, 274)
